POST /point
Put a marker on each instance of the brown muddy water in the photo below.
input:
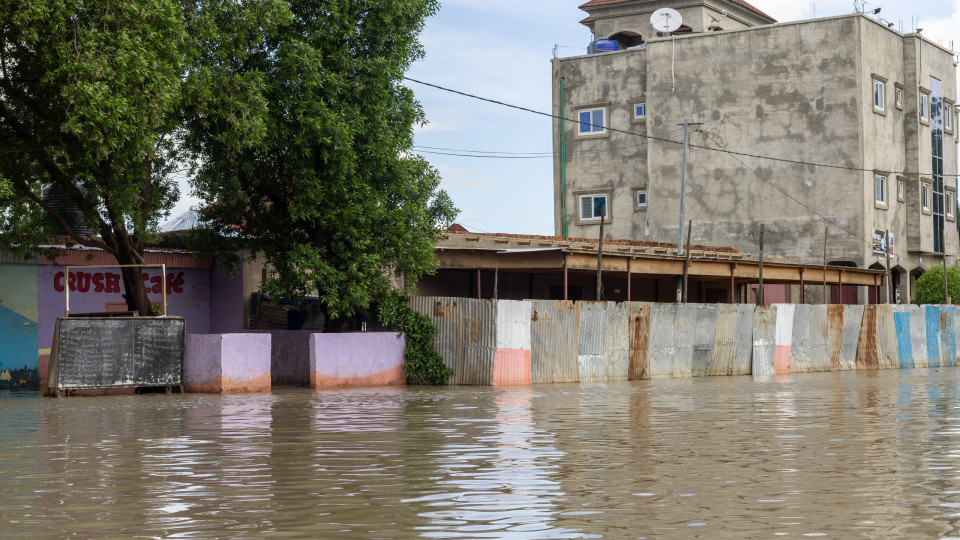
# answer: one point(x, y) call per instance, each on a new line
point(834, 455)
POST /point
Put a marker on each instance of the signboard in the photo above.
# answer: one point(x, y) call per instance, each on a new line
point(879, 243)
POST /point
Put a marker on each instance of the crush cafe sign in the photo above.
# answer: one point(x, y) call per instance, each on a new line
point(109, 282)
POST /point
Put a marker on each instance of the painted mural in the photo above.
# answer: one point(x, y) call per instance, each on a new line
point(18, 327)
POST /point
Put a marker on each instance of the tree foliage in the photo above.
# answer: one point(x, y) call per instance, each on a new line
point(929, 288)
point(92, 97)
point(332, 195)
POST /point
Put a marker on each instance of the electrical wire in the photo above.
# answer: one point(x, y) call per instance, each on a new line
point(669, 141)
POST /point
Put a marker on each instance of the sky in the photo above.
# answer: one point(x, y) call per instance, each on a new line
point(501, 50)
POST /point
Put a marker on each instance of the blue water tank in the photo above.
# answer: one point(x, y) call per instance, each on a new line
point(603, 45)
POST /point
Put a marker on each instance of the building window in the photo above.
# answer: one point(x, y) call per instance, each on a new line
point(924, 107)
point(641, 199)
point(880, 189)
point(925, 197)
point(901, 191)
point(948, 117)
point(592, 121)
point(593, 207)
point(879, 95)
point(950, 203)
point(898, 97)
point(640, 111)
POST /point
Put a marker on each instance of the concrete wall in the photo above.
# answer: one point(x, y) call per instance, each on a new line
point(355, 360)
point(226, 363)
point(800, 91)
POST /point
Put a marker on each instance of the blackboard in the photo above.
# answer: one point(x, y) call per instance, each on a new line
point(116, 353)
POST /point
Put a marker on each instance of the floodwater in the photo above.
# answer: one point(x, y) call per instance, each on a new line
point(833, 455)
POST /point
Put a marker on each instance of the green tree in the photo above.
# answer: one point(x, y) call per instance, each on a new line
point(92, 97)
point(333, 196)
point(929, 288)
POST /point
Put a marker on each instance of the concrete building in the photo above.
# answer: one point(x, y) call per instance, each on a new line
point(876, 106)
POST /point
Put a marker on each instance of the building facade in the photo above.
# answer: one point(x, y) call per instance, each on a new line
point(860, 119)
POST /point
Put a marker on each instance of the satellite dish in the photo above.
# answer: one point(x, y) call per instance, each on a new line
point(666, 20)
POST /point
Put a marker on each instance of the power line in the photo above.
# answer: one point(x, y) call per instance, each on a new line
point(665, 140)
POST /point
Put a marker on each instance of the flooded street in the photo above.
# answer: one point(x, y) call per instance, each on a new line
point(833, 455)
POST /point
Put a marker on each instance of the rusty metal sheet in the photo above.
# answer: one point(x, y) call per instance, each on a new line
point(704, 338)
point(444, 313)
point(616, 342)
point(889, 358)
point(743, 365)
point(764, 340)
point(590, 346)
point(725, 341)
point(684, 332)
point(639, 341)
point(818, 353)
point(835, 335)
point(948, 337)
point(868, 356)
point(478, 319)
point(662, 348)
point(918, 336)
point(554, 331)
point(852, 319)
point(801, 344)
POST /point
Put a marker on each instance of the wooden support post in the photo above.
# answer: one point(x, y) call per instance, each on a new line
point(478, 283)
point(876, 290)
point(801, 286)
point(565, 278)
point(839, 286)
point(629, 278)
point(760, 288)
point(686, 262)
point(826, 299)
point(733, 283)
point(496, 279)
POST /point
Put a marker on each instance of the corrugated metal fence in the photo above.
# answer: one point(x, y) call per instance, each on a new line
point(489, 342)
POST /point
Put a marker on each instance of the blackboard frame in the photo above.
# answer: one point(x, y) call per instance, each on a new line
point(116, 352)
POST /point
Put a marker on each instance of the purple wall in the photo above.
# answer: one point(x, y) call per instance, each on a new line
point(355, 356)
point(290, 356)
point(189, 298)
point(238, 357)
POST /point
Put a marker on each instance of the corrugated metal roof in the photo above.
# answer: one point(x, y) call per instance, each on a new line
point(10, 259)
point(184, 222)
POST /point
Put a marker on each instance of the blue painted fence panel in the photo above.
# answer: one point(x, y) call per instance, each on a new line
point(901, 321)
point(933, 335)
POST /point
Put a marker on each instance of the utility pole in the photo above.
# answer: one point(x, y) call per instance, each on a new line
point(683, 188)
point(686, 262)
point(603, 217)
point(946, 290)
point(889, 275)
point(826, 231)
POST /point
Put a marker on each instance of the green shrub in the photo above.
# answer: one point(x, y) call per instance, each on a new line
point(423, 363)
point(929, 288)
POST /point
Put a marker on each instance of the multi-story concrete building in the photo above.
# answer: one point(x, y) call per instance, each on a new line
point(839, 123)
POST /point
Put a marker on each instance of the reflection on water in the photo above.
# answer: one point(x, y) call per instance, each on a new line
point(836, 455)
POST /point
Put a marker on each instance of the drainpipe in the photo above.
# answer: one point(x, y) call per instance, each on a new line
point(563, 164)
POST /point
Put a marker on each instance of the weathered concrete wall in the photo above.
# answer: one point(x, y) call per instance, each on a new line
point(356, 360)
point(800, 91)
point(226, 363)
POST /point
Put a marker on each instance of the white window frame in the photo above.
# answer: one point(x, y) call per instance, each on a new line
point(880, 190)
point(950, 204)
point(901, 191)
point(925, 189)
point(947, 116)
point(924, 107)
point(592, 197)
point(636, 199)
point(592, 126)
point(898, 97)
point(640, 116)
point(879, 95)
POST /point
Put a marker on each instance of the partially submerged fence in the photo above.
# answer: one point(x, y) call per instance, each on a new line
point(506, 342)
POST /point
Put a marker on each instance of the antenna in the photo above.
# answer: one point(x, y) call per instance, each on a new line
point(666, 20)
